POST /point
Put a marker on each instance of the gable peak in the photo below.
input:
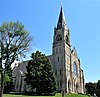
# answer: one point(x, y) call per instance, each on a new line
point(74, 52)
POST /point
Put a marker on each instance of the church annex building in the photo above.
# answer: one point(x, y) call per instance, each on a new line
point(65, 63)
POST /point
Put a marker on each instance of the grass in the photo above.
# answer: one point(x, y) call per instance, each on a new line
point(75, 95)
point(57, 95)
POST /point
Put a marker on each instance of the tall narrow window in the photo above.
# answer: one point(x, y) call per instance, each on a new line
point(55, 72)
point(68, 85)
point(60, 83)
point(66, 39)
point(75, 69)
point(58, 59)
point(59, 49)
point(57, 83)
point(60, 71)
point(56, 50)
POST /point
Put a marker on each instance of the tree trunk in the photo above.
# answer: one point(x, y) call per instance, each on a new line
point(2, 84)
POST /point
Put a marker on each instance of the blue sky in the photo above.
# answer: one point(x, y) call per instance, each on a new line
point(40, 17)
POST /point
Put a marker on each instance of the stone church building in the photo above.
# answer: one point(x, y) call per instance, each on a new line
point(65, 63)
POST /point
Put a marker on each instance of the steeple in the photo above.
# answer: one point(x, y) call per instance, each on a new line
point(61, 21)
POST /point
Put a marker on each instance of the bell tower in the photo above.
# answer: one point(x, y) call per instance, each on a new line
point(61, 32)
point(61, 52)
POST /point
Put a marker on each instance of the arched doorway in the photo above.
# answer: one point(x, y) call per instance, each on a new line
point(69, 86)
point(77, 87)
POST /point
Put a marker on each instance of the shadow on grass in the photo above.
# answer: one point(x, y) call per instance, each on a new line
point(22, 93)
point(27, 94)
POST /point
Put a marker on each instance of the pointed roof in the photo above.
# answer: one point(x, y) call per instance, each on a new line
point(74, 52)
point(61, 21)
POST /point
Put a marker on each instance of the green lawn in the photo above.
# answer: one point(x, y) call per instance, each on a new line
point(75, 95)
point(57, 95)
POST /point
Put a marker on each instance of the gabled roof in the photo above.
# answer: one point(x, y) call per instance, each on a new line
point(74, 52)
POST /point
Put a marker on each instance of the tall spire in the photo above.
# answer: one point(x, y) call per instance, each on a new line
point(61, 21)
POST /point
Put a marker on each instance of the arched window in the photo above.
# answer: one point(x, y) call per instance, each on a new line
point(75, 69)
point(58, 38)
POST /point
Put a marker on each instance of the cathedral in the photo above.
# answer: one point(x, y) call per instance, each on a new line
point(65, 63)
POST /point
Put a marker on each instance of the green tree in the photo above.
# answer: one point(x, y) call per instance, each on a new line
point(8, 81)
point(8, 85)
point(98, 88)
point(14, 42)
point(40, 75)
point(90, 88)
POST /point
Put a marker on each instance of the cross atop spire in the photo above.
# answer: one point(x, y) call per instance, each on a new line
point(61, 21)
point(61, 2)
